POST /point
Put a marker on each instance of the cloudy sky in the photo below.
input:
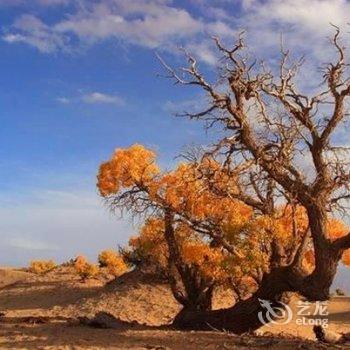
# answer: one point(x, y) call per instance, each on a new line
point(79, 78)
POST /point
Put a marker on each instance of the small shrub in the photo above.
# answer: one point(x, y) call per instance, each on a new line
point(339, 292)
point(106, 257)
point(41, 266)
point(84, 269)
point(117, 268)
point(114, 262)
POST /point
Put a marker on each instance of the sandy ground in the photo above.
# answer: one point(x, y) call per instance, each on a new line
point(40, 313)
point(9, 276)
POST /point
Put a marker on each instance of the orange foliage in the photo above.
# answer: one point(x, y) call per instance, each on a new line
point(337, 229)
point(41, 266)
point(290, 219)
point(84, 269)
point(346, 257)
point(187, 192)
point(181, 189)
point(282, 227)
point(113, 261)
point(126, 168)
point(150, 245)
point(211, 263)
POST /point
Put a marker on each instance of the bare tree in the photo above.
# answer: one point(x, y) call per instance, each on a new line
point(269, 127)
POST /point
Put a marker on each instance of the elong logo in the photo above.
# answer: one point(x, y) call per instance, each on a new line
point(274, 315)
point(283, 314)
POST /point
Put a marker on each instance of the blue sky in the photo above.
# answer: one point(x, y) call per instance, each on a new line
point(78, 78)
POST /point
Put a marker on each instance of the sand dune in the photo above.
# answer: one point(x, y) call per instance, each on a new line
point(41, 313)
point(9, 276)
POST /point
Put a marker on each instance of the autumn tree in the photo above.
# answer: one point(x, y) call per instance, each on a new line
point(200, 267)
point(200, 233)
point(269, 125)
point(180, 210)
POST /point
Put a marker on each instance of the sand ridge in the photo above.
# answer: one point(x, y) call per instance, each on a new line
point(41, 313)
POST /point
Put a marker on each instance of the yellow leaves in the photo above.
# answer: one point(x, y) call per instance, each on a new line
point(127, 167)
point(41, 266)
point(80, 260)
point(107, 257)
point(113, 262)
point(212, 263)
point(290, 221)
point(117, 267)
point(106, 182)
point(89, 271)
point(209, 261)
point(308, 262)
point(337, 229)
point(186, 191)
point(287, 220)
point(346, 257)
point(150, 244)
point(198, 192)
point(84, 269)
point(309, 259)
point(153, 228)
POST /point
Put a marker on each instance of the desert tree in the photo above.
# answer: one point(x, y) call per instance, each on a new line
point(181, 214)
point(199, 233)
point(269, 127)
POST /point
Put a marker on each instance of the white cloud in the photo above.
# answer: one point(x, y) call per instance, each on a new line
point(197, 103)
point(57, 224)
point(203, 50)
point(313, 14)
point(92, 98)
point(30, 244)
point(147, 23)
point(63, 100)
point(305, 24)
point(164, 25)
point(35, 2)
point(100, 98)
point(53, 2)
point(31, 30)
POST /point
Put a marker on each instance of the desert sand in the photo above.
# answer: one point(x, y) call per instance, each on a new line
point(41, 312)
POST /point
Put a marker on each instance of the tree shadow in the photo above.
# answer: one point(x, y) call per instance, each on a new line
point(339, 317)
point(58, 334)
point(43, 295)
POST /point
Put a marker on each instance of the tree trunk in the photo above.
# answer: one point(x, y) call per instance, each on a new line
point(316, 286)
point(240, 318)
point(244, 315)
point(189, 288)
